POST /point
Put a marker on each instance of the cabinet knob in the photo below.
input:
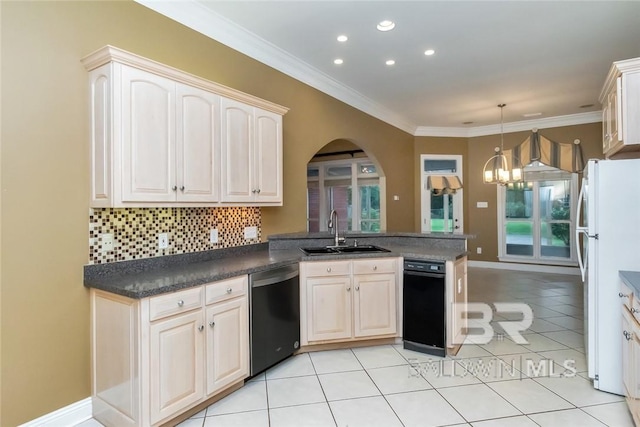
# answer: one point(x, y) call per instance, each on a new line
point(182, 188)
point(621, 295)
point(627, 335)
point(357, 288)
point(175, 187)
point(258, 190)
point(212, 323)
point(201, 328)
point(375, 267)
point(229, 290)
point(254, 191)
point(634, 310)
point(349, 289)
point(180, 303)
point(328, 269)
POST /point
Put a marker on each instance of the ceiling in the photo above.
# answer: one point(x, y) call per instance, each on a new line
point(539, 57)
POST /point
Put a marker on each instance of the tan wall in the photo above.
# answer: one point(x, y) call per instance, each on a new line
point(483, 222)
point(45, 170)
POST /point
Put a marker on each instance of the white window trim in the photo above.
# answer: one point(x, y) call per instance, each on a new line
point(355, 203)
point(502, 244)
point(425, 202)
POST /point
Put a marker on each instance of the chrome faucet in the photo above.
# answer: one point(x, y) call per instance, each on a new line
point(333, 226)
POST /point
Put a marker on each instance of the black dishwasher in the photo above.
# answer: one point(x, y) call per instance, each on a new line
point(424, 307)
point(274, 316)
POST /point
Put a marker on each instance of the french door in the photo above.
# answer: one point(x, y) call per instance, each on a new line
point(441, 211)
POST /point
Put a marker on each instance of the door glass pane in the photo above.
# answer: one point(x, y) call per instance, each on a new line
point(313, 207)
point(555, 239)
point(519, 238)
point(519, 201)
point(441, 213)
point(369, 207)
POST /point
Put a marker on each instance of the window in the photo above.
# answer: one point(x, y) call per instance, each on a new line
point(537, 217)
point(441, 211)
point(330, 185)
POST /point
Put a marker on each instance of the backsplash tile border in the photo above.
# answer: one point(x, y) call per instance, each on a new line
point(135, 230)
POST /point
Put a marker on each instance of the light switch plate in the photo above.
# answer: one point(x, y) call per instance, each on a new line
point(213, 236)
point(250, 233)
point(482, 205)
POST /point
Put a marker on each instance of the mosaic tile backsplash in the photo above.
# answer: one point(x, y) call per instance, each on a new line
point(135, 230)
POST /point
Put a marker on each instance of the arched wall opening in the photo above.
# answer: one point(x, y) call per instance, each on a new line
point(343, 177)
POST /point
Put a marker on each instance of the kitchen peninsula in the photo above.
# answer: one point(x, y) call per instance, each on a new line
point(149, 312)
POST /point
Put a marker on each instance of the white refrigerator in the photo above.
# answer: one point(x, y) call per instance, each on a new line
point(608, 240)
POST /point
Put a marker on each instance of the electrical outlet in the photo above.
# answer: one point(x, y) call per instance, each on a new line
point(106, 242)
point(163, 240)
point(250, 233)
point(478, 250)
point(213, 236)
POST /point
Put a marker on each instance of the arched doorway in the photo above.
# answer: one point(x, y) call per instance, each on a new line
point(343, 177)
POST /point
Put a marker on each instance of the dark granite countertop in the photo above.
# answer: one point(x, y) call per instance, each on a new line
point(154, 276)
point(631, 279)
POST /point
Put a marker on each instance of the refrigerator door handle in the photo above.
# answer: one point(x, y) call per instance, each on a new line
point(581, 262)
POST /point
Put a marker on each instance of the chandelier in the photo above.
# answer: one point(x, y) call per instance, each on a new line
point(497, 170)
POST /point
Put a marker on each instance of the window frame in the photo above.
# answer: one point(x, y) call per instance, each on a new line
point(537, 257)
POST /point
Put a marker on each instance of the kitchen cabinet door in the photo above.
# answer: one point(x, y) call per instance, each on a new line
point(374, 304)
point(148, 136)
point(176, 364)
point(227, 355)
point(197, 129)
point(328, 308)
point(237, 152)
point(268, 156)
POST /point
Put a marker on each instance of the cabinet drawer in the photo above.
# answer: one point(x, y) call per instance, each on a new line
point(226, 289)
point(375, 265)
point(331, 268)
point(174, 303)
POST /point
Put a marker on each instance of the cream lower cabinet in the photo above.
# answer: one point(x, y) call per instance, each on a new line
point(631, 351)
point(456, 295)
point(348, 300)
point(154, 358)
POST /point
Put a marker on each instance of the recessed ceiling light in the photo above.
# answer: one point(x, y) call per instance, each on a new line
point(338, 61)
point(586, 106)
point(429, 52)
point(532, 114)
point(342, 38)
point(390, 62)
point(386, 25)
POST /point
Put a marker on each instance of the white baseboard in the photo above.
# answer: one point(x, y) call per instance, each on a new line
point(68, 416)
point(574, 271)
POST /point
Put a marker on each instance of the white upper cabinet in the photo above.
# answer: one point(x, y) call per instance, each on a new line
point(251, 154)
point(620, 98)
point(163, 137)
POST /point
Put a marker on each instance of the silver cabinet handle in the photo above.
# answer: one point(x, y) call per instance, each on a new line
point(201, 328)
point(621, 295)
point(258, 190)
point(229, 290)
point(254, 191)
point(357, 288)
point(180, 303)
point(328, 269)
point(182, 188)
point(348, 289)
point(174, 188)
point(212, 323)
point(627, 335)
point(375, 267)
point(634, 310)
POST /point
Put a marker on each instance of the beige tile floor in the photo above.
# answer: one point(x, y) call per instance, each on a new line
point(484, 385)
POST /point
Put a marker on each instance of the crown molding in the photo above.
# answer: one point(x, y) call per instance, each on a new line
point(205, 21)
point(545, 123)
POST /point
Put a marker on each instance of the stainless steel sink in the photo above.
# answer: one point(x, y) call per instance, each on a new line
point(339, 250)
